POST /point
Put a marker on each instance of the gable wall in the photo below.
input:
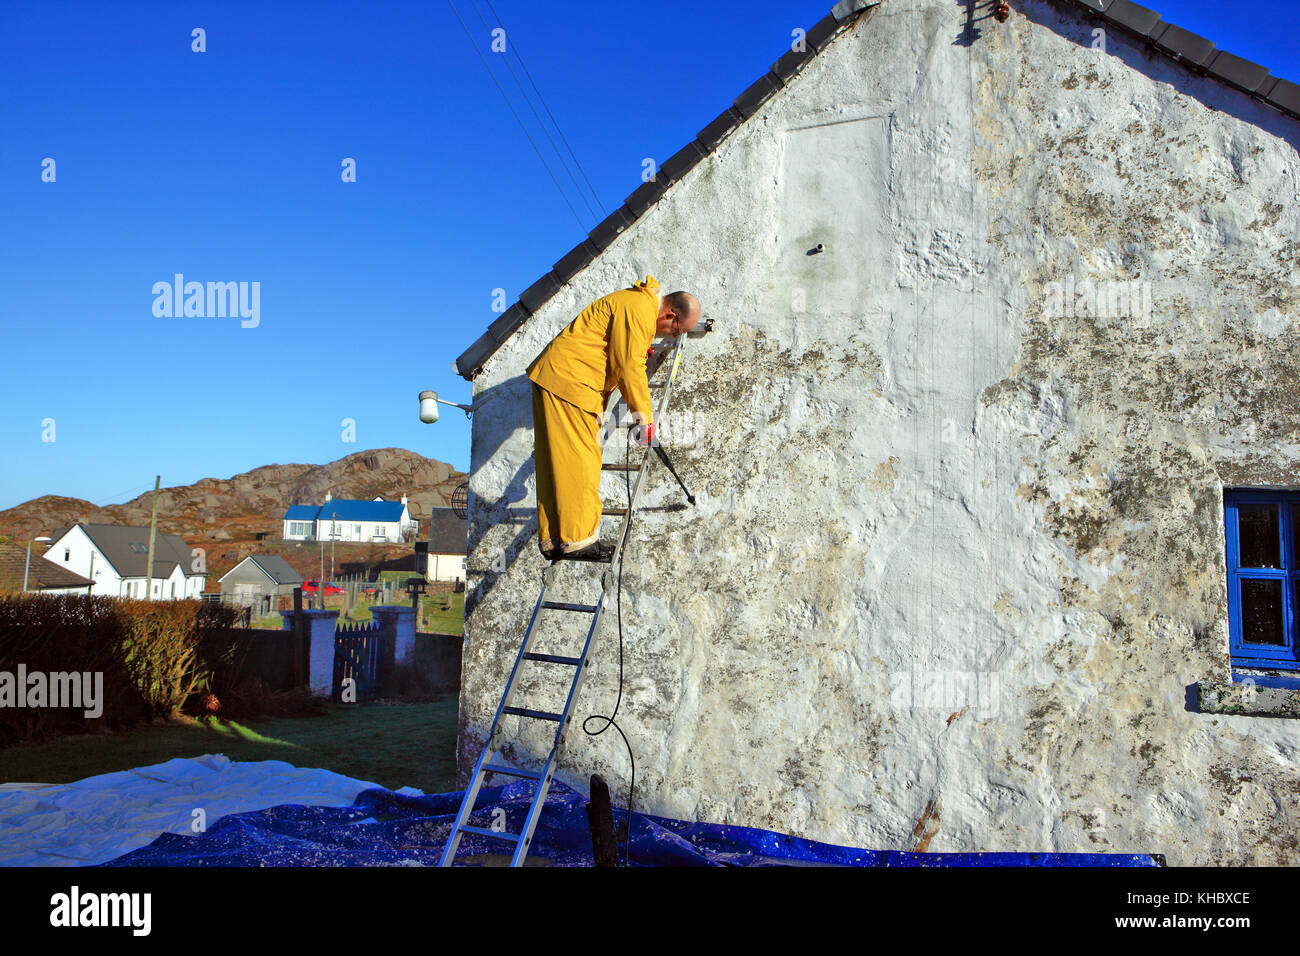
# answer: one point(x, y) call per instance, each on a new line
point(918, 492)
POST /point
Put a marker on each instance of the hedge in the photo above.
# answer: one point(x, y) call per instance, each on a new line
point(154, 656)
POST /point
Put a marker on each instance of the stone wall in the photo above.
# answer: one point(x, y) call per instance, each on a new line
point(958, 555)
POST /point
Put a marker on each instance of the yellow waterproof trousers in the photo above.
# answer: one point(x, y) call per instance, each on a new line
point(567, 453)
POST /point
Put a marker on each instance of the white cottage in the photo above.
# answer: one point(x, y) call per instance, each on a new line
point(351, 519)
point(975, 531)
point(115, 557)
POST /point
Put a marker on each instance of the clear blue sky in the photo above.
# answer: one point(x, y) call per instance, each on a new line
point(225, 166)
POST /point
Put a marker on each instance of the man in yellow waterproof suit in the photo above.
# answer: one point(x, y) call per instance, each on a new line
point(602, 349)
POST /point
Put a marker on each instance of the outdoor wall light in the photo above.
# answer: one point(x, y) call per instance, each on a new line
point(429, 402)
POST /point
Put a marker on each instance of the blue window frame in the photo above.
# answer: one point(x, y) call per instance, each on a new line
point(1263, 577)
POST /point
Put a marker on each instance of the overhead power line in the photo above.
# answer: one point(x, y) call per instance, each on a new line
point(515, 114)
point(519, 56)
point(514, 76)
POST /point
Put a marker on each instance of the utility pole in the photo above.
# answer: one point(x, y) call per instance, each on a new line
point(153, 530)
point(27, 569)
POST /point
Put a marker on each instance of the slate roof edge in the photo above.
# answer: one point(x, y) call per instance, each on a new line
point(1175, 43)
point(1194, 52)
point(673, 169)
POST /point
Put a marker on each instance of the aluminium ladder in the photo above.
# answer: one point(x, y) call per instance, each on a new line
point(487, 763)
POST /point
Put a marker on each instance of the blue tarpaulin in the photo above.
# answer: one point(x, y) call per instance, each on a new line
point(389, 829)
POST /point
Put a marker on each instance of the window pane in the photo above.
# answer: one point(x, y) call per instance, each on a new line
point(1261, 611)
point(1258, 536)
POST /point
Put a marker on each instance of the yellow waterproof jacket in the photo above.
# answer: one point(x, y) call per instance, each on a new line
point(602, 349)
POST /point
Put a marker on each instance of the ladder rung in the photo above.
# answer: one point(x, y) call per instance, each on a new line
point(553, 659)
point(560, 606)
point(498, 768)
point(606, 510)
point(613, 466)
point(537, 714)
point(512, 837)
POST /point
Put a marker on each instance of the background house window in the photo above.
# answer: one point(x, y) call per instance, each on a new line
point(1263, 577)
point(67, 554)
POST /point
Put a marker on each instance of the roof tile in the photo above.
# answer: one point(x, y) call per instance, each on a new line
point(821, 33)
point(609, 228)
point(1237, 71)
point(535, 296)
point(748, 102)
point(470, 362)
point(792, 62)
point(645, 196)
point(1285, 95)
point(1183, 45)
point(716, 131)
point(1132, 17)
point(681, 162)
point(575, 261)
point(504, 326)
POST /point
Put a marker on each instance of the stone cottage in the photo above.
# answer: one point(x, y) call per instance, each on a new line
point(995, 444)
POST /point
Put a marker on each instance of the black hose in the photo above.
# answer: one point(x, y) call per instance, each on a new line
point(609, 721)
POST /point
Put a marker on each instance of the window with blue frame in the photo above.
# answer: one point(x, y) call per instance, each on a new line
point(1263, 577)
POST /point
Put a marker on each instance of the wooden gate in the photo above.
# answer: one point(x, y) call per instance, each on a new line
point(356, 657)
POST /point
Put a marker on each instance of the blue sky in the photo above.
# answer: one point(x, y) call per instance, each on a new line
point(225, 166)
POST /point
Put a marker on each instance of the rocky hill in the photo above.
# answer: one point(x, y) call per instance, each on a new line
point(238, 508)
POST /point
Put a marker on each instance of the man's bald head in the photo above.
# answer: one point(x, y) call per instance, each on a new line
point(679, 312)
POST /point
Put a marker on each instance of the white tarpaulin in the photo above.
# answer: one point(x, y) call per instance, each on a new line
point(100, 818)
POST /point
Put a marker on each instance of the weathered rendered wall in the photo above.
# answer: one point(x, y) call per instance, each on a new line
point(906, 473)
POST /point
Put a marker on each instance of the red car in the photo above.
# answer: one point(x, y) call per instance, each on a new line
point(309, 587)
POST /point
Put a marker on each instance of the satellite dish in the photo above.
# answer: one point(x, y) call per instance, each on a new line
point(460, 500)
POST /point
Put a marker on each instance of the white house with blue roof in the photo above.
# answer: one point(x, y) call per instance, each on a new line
point(350, 519)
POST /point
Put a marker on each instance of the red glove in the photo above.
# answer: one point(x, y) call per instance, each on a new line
point(646, 434)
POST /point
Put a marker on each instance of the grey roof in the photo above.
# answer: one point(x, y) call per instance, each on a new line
point(448, 533)
point(116, 542)
point(1194, 52)
point(278, 569)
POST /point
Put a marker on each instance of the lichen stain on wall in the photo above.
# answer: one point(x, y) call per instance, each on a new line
point(1066, 538)
point(1156, 408)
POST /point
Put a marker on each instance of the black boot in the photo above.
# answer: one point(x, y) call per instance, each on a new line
point(596, 551)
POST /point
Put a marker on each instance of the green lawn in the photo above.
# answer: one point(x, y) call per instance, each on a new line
point(434, 619)
point(437, 621)
point(393, 744)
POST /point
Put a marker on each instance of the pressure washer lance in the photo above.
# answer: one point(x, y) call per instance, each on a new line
point(663, 456)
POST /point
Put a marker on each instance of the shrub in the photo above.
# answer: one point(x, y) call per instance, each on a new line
point(147, 651)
